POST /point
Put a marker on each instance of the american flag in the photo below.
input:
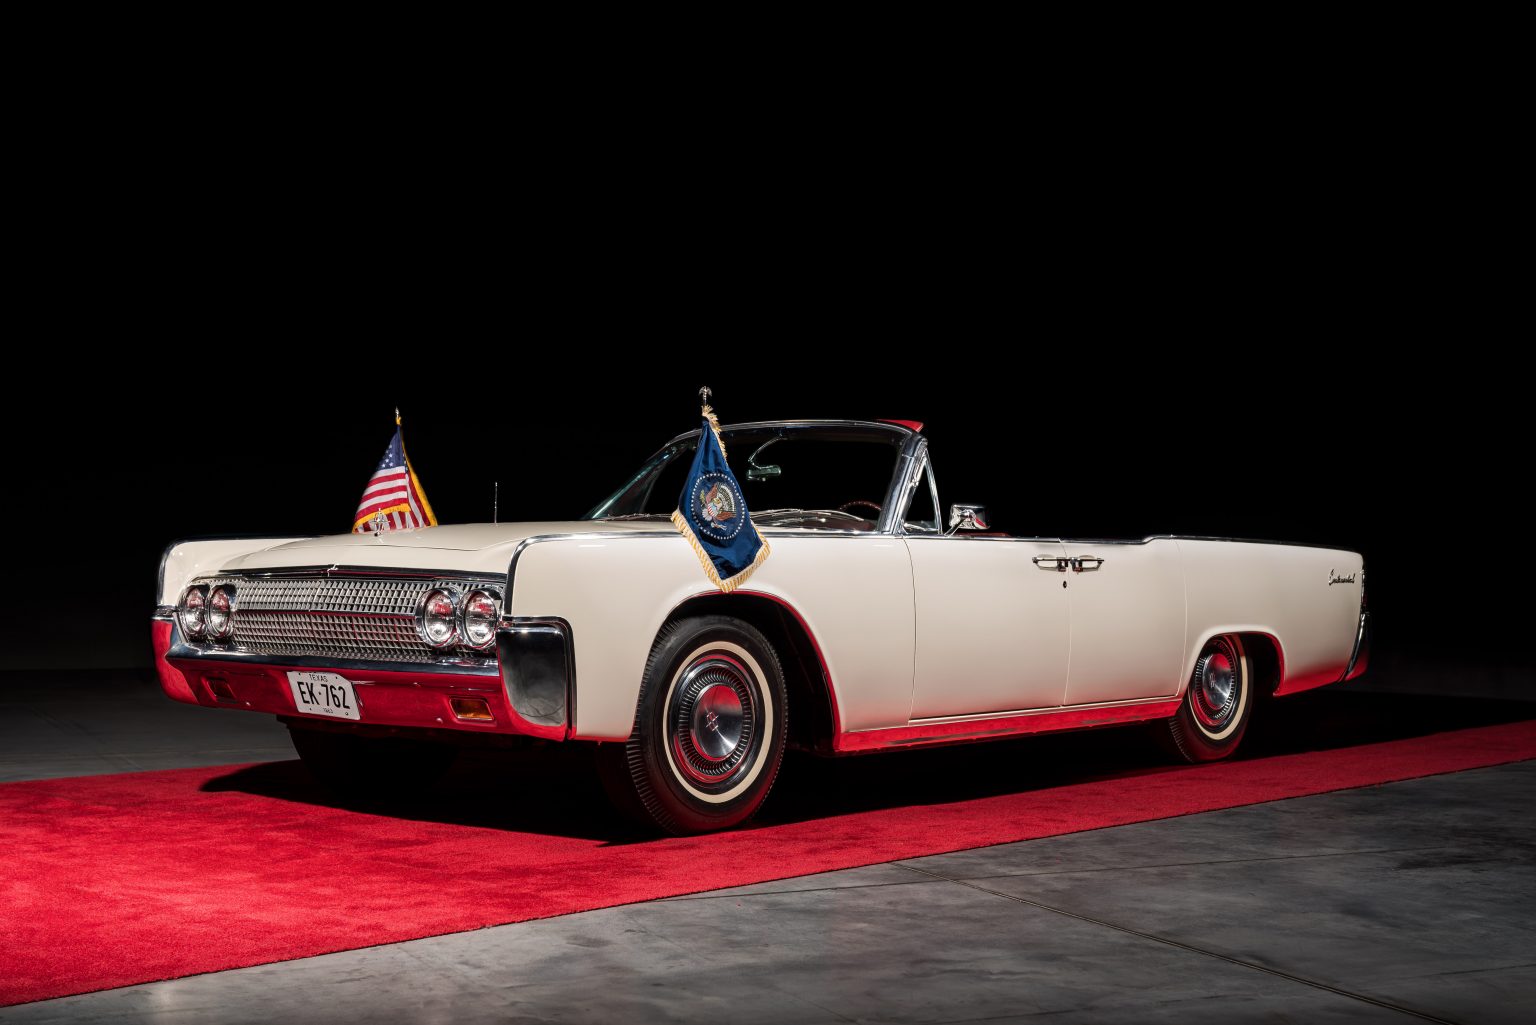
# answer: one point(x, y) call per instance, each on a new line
point(393, 499)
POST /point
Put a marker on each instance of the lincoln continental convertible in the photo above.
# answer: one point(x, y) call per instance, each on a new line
point(881, 621)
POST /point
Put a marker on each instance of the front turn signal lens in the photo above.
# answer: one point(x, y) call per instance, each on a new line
point(471, 709)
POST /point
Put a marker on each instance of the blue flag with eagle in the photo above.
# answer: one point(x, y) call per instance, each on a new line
point(712, 514)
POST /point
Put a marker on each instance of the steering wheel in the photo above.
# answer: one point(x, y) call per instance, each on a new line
point(847, 507)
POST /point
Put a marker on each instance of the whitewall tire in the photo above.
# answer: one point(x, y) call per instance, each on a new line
point(709, 728)
point(1217, 704)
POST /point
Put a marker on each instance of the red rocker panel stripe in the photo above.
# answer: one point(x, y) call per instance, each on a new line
point(1003, 725)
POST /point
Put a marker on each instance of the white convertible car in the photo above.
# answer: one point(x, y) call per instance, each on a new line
point(876, 624)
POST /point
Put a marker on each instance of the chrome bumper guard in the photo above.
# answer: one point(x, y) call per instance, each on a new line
point(1360, 658)
point(538, 668)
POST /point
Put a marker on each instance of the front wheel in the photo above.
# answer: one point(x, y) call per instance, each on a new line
point(709, 729)
point(1214, 715)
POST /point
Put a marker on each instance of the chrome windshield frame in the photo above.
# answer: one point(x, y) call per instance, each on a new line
point(904, 483)
point(911, 449)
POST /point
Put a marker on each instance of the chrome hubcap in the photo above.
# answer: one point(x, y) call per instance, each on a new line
point(1214, 693)
point(1217, 680)
point(714, 718)
point(717, 722)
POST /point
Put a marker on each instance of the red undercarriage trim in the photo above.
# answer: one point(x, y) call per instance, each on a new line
point(1297, 684)
point(912, 425)
point(992, 728)
point(172, 680)
point(384, 698)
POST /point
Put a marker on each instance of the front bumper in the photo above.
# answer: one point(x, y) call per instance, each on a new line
point(529, 690)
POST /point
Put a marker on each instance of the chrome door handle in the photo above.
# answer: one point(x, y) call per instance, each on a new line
point(1056, 562)
point(1078, 560)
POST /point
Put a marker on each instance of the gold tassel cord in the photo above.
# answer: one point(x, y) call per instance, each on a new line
point(740, 578)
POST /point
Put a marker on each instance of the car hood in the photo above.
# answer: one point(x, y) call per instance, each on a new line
point(462, 547)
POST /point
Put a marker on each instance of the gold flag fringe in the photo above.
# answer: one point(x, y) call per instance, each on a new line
point(729, 584)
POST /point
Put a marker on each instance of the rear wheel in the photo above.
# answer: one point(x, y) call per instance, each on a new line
point(709, 729)
point(1214, 715)
point(352, 765)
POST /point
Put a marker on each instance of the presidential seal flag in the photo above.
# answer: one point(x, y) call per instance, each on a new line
point(712, 514)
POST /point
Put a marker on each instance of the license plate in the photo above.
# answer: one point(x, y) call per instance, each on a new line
point(324, 694)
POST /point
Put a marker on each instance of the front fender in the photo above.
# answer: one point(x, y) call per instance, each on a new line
point(853, 593)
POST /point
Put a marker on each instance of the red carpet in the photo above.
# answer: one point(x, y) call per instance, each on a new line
point(113, 880)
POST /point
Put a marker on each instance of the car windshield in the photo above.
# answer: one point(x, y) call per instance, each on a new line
point(831, 478)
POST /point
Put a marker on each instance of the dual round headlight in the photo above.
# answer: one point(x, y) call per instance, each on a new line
point(446, 617)
point(221, 613)
point(437, 618)
point(477, 620)
point(191, 611)
point(204, 614)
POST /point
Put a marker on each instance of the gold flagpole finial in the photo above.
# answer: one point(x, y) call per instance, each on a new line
point(397, 416)
point(709, 414)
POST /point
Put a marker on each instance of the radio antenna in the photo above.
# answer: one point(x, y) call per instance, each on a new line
point(495, 501)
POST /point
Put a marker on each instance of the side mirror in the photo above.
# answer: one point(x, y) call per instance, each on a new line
point(968, 517)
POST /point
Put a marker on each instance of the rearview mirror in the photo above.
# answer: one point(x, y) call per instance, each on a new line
point(968, 517)
point(759, 472)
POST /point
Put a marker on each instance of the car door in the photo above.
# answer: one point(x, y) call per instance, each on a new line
point(990, 625)
point(1127, 612)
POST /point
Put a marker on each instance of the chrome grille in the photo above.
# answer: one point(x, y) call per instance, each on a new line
point(367, 618)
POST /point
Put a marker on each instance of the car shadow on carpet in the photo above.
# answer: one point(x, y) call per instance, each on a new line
point(554, 789)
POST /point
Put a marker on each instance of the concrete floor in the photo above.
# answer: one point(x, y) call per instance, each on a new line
point(1410, 901)
point(103, 721)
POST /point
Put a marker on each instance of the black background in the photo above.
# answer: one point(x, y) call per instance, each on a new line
point(1110, 345)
